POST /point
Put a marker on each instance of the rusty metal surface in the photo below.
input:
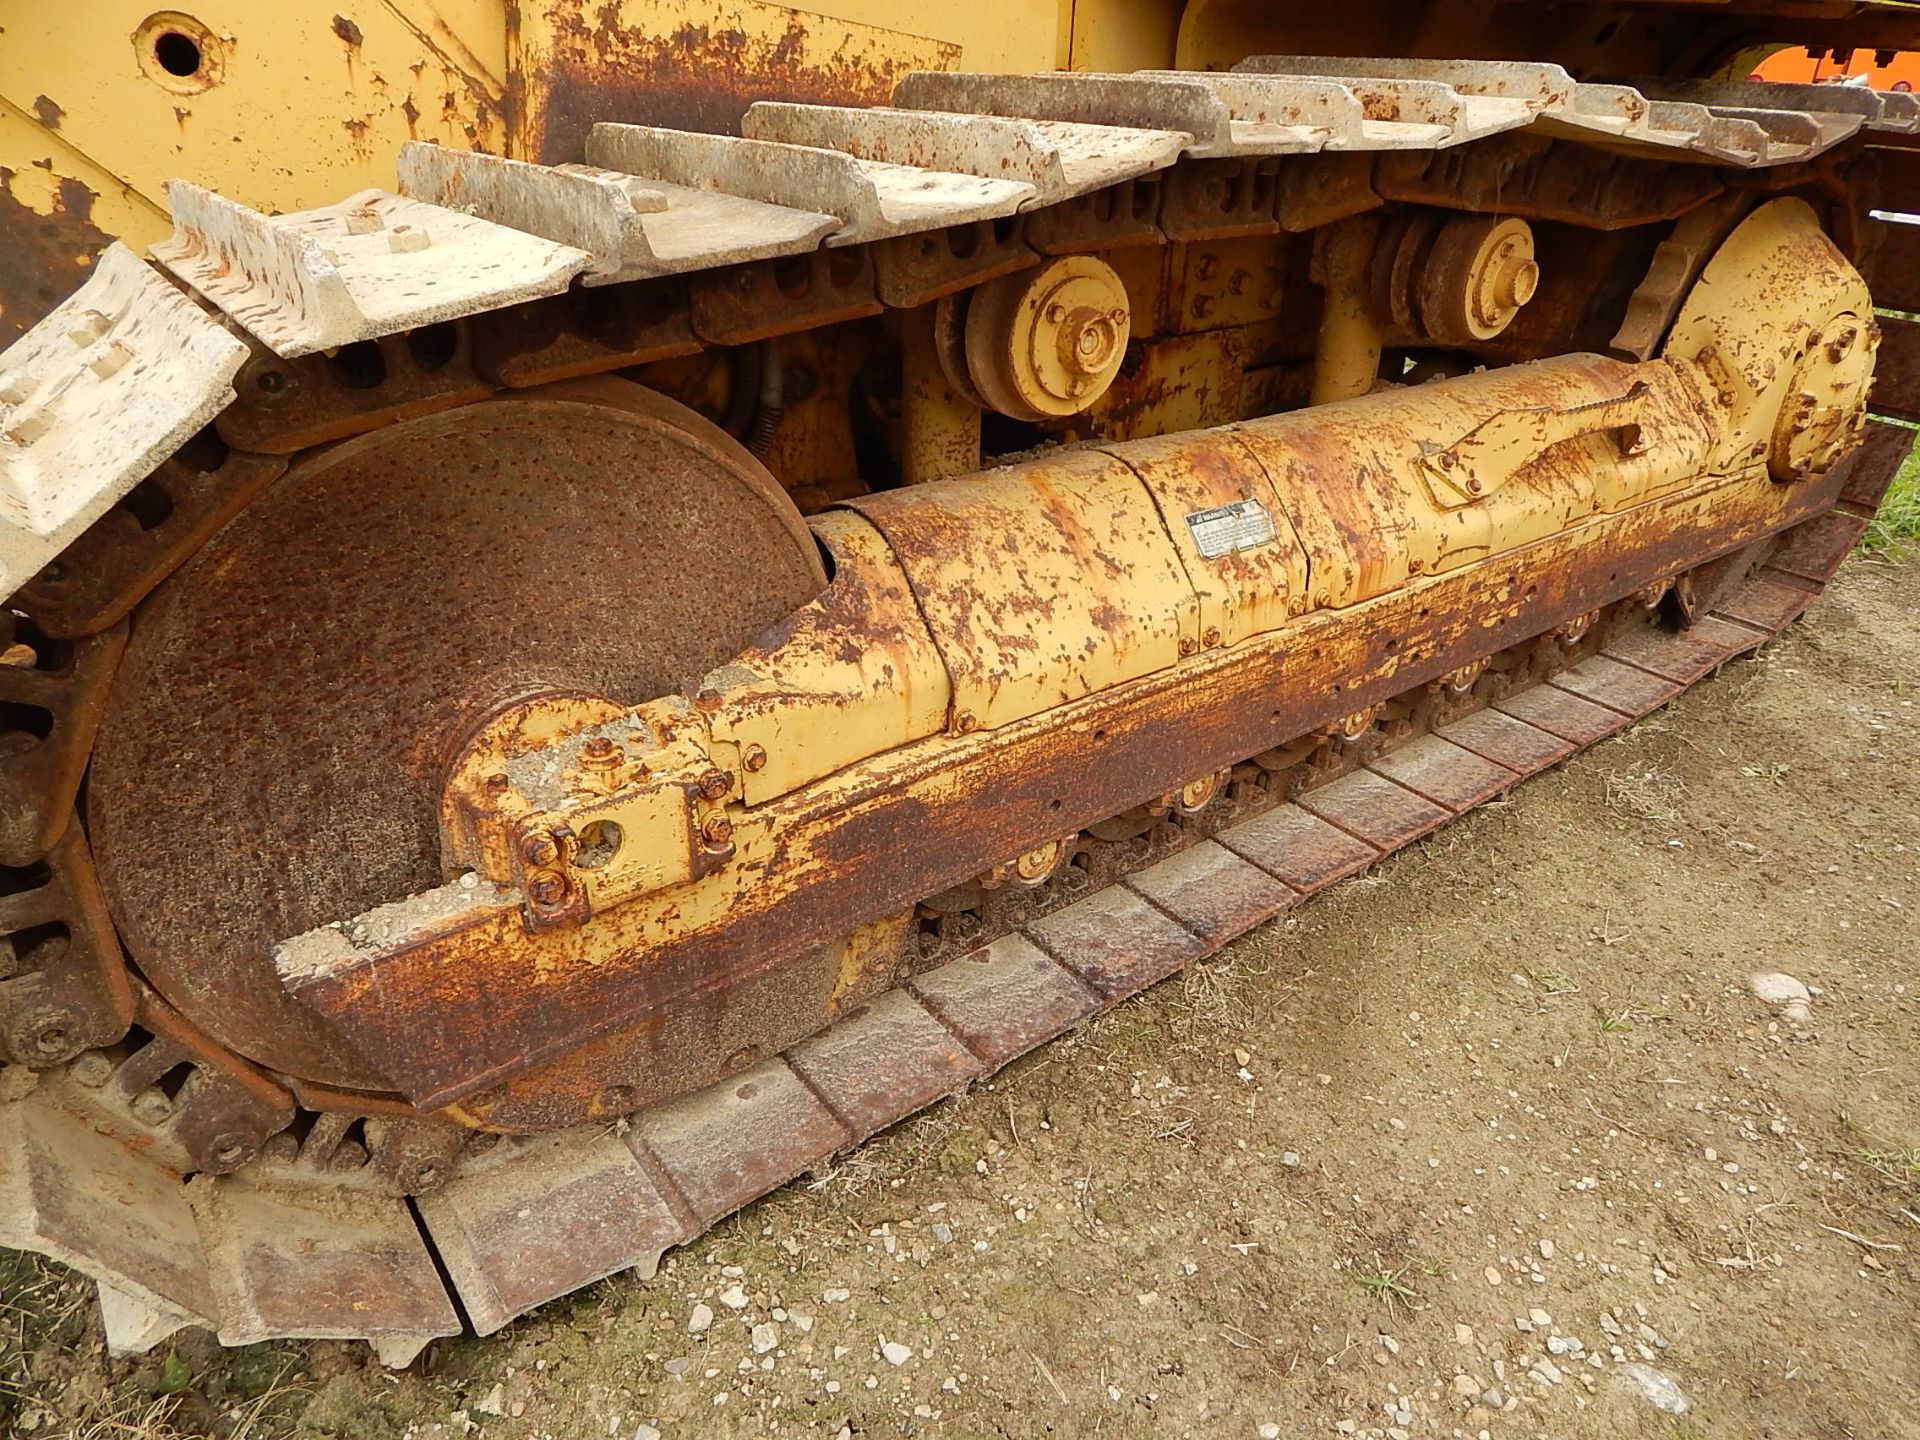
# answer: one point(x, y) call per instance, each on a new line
point(1508, 742)
point(744, 303)
point(424, 574)
point(284, 406)
point(1038, 783)
point(63, 985)
point(530, 1220)
point(1897, 389)
point(1299, 848)
point(52, 696)
point(1561, 712)
point(684, 65)
point(884, 1062)
point(710, 1012)
point(1005, 998)
point(543, 1217)
point(1619, 687)
point(1212, 891)
point(1537, 178)
point(734, 1141)
point(1447, 774)
point(116, 563)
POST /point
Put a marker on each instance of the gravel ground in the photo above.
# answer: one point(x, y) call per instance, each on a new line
point(1594, 1115)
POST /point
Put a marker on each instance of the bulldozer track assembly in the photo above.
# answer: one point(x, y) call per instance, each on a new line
point(465, 832)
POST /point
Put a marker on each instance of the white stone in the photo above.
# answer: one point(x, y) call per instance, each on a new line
point(1776, 988)
point(1657, 1387)
point(895, 1353)
point(700, 1319)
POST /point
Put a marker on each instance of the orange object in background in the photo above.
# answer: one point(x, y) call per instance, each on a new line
point(1900, 70)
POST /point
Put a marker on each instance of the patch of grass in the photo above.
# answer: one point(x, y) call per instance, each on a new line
point(1895, 530)
point(1387, 1285)
point(1554, 983)
point(1899, 1163)
point(1616, 1022)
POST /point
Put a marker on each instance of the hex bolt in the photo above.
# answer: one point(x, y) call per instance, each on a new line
point(717, 831)
point(600, 753)
point(540, 848)
point(424, 1176)
point(1212, 636)
point(546, 890)
point(92, 1070)
point(756, 758)
point(966, 722)
point(1188, 645)
point(715, 785)
point(151, 1106)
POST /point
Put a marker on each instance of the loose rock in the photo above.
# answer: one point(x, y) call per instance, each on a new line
point(1657, 1387)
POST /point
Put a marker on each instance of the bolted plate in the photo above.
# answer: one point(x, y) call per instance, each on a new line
point(275, 744)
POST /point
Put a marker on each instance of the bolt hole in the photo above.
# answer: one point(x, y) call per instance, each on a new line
point(1099, 735)
point(599, 842)
point(177, 54)
point(1053, 805)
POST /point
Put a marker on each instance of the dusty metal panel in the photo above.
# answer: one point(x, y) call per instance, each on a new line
point(689, 65)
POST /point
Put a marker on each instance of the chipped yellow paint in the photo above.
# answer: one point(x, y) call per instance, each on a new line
point(304, 103)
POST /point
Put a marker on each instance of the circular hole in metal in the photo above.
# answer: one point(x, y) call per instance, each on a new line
point(599, 843)
point(177, 54)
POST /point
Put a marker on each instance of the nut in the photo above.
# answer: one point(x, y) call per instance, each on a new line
point(755, 758)
point(547, 890)
point(715, 785)
point(540, 848)
point(717, 831)
point(600, 753)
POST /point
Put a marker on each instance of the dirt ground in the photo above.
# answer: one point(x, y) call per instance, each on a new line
point(1460, 1149)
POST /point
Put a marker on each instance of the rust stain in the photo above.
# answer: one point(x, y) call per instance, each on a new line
point(46, 257)
point(48, 112)
point(347, 31)
point(695, 77)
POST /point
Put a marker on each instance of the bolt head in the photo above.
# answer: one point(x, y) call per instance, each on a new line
point(755, 758)
point(546, 890)
point(716, 785)
point(717, 831)
point(540, 848)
